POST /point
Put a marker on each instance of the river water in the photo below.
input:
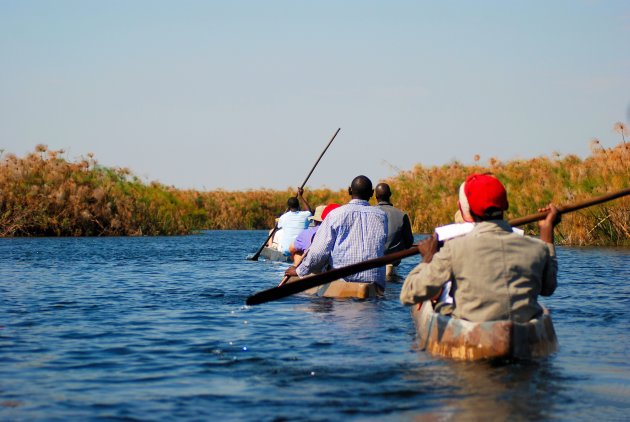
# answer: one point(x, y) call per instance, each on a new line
point(155, 328)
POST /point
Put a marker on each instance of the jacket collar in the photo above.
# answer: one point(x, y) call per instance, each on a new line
point(359, 202)
point(492, 225)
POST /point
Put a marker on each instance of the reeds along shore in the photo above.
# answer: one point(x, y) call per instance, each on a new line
point(43, 194)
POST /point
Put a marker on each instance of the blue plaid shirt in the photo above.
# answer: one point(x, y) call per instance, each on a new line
point(350, 234)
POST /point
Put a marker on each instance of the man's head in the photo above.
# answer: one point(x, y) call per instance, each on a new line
point(361, 188)
point(293, 204)
point(486, 196)
point(382, 192)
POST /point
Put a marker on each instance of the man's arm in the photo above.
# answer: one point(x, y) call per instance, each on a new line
point(407, 234)
point(305, 205)
point(426, 280)
point(550, 274)
point(318, 252)
point(547, 226)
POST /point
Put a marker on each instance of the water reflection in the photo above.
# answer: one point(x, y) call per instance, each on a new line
point(480, 391)
point(499, 391)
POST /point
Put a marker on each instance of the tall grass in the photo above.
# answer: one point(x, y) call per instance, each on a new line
point(44, 194)
point(429, 195)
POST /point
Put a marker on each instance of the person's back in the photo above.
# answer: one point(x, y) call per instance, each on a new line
point(399, 234)
point(352, 233)
point(303, 240)
point(496, 273)
point(293, 222)
point(357, 233)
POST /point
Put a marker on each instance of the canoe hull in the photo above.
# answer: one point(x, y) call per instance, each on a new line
point(459, 339)
point(344, 289)
point(274, 255)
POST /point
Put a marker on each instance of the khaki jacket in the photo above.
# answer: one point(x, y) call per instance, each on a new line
point(496, 274)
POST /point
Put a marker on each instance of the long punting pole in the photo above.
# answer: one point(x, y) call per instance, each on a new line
point(275, 228)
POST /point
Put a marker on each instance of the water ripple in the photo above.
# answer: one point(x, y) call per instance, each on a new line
point(156, 329)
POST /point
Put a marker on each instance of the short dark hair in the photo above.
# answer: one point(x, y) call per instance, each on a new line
point(293, 203)
point(361, 187)
point(383, 192)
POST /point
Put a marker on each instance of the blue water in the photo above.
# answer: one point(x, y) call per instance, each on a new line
point(156, 329)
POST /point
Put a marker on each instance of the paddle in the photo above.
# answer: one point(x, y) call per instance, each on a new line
point(570, 208)
point(258, 252)
point(315, 280)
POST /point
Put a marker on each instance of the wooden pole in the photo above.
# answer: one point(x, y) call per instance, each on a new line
point(275, 228)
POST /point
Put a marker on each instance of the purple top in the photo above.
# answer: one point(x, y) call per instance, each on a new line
point(304, 239)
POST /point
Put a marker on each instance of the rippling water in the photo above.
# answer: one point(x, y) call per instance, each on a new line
point(156, 329)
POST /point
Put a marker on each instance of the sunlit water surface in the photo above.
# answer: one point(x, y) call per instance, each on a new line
point(155, 328)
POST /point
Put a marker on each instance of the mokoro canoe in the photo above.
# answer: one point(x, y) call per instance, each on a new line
point(274, 255)
point(340, 289)
point(345, 289)
point(391, 274)
point(458, 339)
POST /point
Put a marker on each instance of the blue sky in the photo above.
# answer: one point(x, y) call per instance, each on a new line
point(246, 94)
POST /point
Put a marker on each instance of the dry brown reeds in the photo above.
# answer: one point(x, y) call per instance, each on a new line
point(43, 194)
point(429, 195)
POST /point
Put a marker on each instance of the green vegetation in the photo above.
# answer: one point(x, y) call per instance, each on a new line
point(43, 194)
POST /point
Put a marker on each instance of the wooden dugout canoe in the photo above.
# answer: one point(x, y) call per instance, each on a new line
point(341, 289)
point(459, 339)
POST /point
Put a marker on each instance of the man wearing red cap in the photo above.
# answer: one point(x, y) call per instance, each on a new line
point(496, 273)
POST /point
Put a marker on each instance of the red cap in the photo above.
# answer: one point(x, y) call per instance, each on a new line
point(328, 209)
point(485, 192)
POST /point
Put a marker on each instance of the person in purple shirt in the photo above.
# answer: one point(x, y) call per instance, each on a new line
point(304, 239)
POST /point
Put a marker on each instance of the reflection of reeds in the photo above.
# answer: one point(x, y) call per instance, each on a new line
point(45, 195)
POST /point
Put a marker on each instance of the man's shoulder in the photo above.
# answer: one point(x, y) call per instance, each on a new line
point(296, 214)
point(354, 206)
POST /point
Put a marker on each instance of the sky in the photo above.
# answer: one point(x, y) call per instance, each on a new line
point(241, 95)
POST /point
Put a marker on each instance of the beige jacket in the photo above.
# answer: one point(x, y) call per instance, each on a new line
point(496, 274)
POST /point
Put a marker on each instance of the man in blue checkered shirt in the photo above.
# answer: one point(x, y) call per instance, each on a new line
point(350, 234)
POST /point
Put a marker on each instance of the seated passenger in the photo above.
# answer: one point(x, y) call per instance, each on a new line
point(352, 233)
point(294, 221)
point(496, 274)
point(304, 239)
